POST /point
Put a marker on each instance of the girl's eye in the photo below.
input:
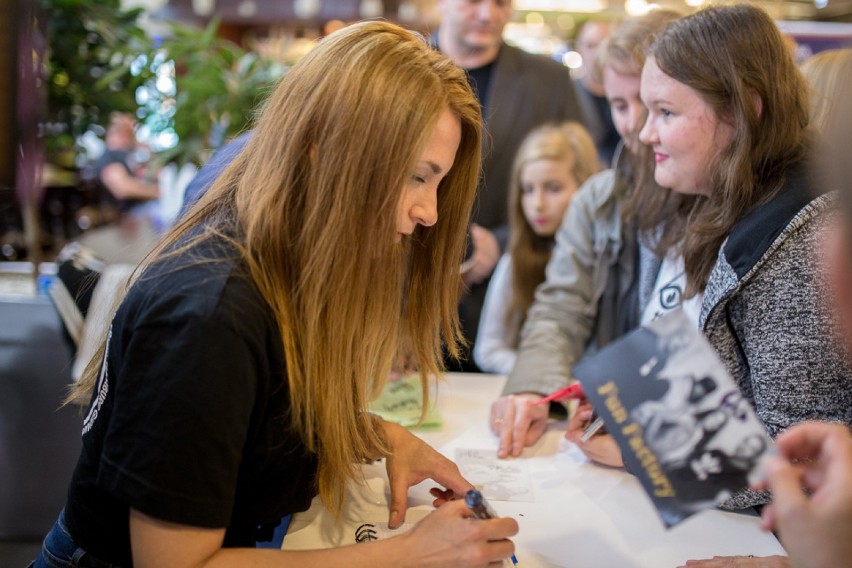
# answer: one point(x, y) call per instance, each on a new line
point(665, 112)
point(526, 189)
point(418, 179)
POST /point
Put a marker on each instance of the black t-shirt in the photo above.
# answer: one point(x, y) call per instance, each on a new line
point(480, 81)
point(189, 422)
point(105, 196)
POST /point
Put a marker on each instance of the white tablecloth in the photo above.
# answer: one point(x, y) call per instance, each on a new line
point(583, 514)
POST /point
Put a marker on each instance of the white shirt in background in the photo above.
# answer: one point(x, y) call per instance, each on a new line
point(668, 293)
point(492, 351)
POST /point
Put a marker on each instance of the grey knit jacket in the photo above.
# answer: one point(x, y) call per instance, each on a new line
point(768, 313)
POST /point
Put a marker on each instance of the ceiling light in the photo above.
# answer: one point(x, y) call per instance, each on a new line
point(584, 6)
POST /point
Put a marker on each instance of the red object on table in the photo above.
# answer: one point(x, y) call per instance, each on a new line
point(569, 392)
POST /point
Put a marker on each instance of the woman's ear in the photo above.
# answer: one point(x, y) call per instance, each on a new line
point(757, 103)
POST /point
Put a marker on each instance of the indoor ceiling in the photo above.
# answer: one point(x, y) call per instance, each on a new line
point(823, 10)
point(272, 12)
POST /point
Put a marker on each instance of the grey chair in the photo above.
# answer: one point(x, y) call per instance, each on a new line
point(39, 441)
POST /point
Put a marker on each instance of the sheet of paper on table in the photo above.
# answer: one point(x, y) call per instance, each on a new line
point(498, 480)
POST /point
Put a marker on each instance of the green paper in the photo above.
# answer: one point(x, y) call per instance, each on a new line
point(401, 402)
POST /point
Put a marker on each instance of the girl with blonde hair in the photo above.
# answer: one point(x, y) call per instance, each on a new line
point(551, 164)
point(233, 384)
point(825, 73)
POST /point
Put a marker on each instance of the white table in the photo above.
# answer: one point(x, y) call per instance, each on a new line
point(583, 514)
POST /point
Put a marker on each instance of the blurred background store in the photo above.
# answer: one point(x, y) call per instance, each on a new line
point(187, 75)
point(192, 71)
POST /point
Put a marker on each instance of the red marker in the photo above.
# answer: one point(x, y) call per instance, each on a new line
point(574, 391)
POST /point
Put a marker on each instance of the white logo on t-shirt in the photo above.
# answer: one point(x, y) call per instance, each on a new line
point(102, 389)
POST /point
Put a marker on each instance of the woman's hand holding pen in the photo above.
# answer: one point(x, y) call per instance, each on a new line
point(448, 537)
point(600, 448)
point(412, 461)
point(517, 422)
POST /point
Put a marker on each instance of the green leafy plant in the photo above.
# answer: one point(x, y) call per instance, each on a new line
point(100, 60)
point(92, 45)
point(218, 86)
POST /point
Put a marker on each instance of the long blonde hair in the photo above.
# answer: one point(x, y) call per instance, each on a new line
point(824, 72)
point(571, 144)
point(314, 198)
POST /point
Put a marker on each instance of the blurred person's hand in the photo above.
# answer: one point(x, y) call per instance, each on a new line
point(811, 484)
point(486, 253)
point(517, 422)
point(600, 448)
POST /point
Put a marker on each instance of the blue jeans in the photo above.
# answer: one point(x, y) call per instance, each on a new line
point(60, 551)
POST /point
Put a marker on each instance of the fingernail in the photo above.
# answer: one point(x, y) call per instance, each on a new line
point(391, 523)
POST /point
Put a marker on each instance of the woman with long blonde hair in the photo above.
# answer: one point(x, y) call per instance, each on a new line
point(552, 162)
point(234, 381)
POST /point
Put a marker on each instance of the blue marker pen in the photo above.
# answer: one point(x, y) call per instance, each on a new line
point(482, 510)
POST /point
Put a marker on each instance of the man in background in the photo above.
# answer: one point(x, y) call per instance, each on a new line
point(115, 169)
point(590, 91)
point(125, 222)
point(518, 91)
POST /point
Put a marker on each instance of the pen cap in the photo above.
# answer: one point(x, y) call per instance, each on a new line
point(477, 503)
point(473, 499)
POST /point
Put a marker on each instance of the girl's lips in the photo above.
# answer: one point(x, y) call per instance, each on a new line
point(540, 221)
point(660, 157)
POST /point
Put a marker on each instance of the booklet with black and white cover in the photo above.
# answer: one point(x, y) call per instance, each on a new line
point(682, 424)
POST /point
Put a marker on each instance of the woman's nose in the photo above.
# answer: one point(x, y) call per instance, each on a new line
point(425, 211)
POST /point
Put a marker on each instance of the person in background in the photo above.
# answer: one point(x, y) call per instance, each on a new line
point(234, 382)
point(811, 478)
point(728, 122)
point(590, 89)
point(116, 169)
point(212, 169)
point(126, 223)
point(518, 91)
point(824, 73)
point(552, 162)
point(811, 483)
point(599, 279)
